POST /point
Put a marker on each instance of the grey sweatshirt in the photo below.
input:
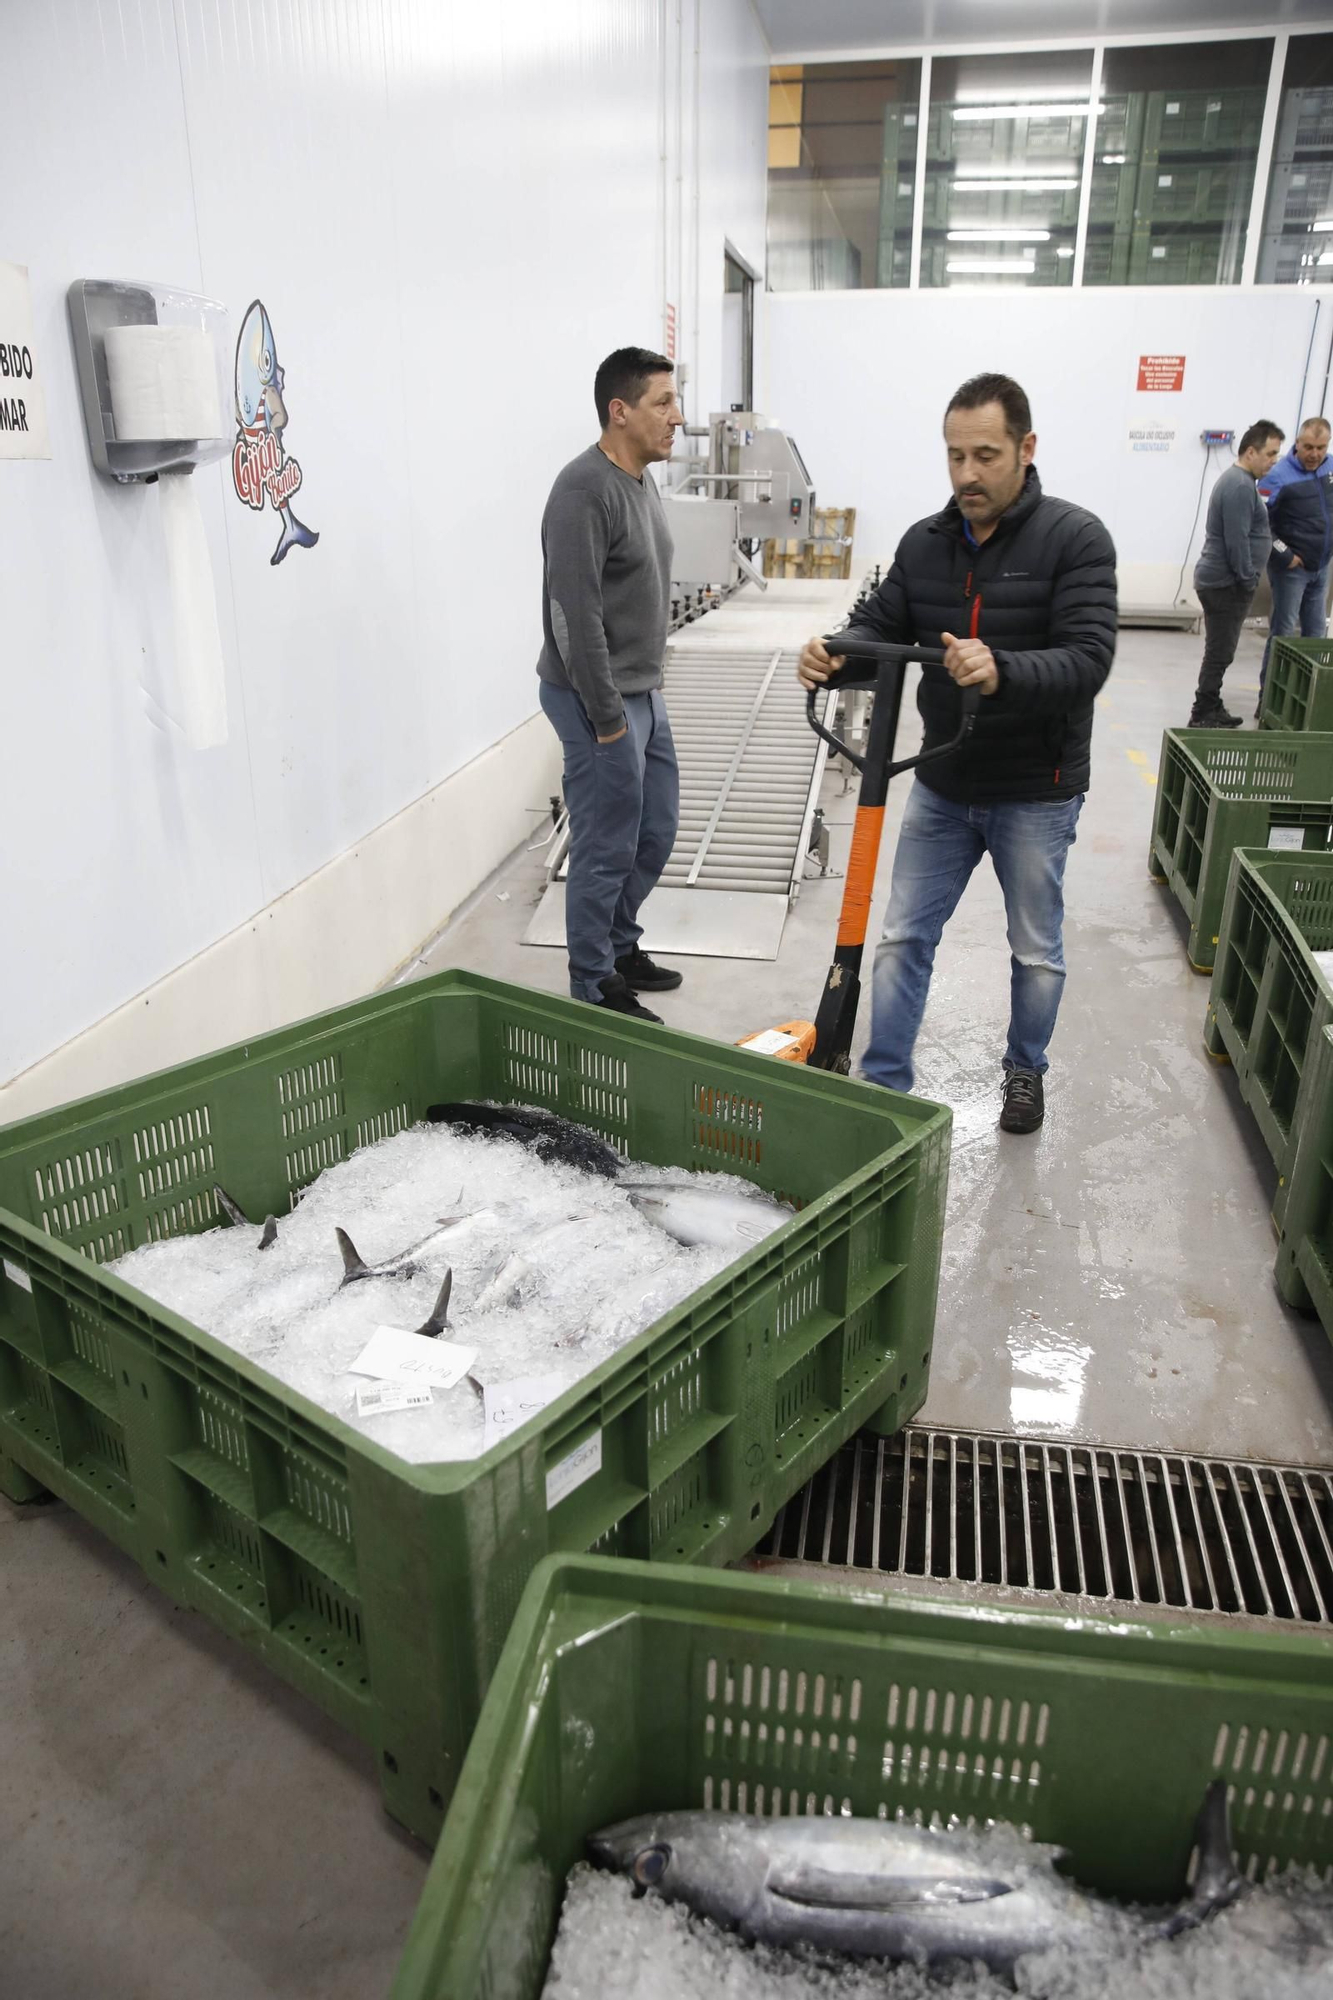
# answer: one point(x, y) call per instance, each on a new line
point(606, 589)
point(1238, 536)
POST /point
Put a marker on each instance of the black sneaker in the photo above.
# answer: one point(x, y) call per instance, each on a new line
point(643, 975)
point(1216, 717)
point(617, 999)
point(1024, 1104)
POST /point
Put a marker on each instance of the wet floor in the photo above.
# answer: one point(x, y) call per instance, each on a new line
point(1109, 1278)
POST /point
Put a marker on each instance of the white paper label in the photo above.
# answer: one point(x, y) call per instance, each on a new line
point(509, 1404)
point(571, 1472)
point(1159, 250)
point(1163, 180)
point(374, 1398)
point(1214, 104)
point(769, 1043)
point(1172, 110)
point(17, 1276)
point(1324, 961)
point(1298, 180)
point(1286, 836)
point(392, 1354)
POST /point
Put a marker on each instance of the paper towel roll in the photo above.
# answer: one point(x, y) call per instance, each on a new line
point(199, 684)
point(163, 382)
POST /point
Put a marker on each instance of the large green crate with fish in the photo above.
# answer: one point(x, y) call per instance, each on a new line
point(628, 1689)
point(1305, 1235)
point(383, 1589)
point(1218, 790)
point(1298, 685)
point(1272, 995)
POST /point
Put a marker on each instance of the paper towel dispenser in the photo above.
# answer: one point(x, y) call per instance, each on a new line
point(154, 368)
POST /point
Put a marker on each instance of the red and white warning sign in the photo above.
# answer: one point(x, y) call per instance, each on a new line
point(1159, 373)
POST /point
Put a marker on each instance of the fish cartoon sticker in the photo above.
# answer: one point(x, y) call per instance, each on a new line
point(261, 466)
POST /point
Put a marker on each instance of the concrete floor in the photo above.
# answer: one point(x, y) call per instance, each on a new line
point(176, 1823)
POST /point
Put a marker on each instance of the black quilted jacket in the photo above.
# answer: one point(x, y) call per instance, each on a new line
point(1041, 593)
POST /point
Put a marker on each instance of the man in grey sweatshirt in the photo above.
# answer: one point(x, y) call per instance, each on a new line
point(605, 608)
point(1235, 548)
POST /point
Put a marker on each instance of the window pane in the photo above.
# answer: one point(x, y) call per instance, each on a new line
point(1297, 245)
point(1003, 168)
point(1173, 173)
point(841, 173)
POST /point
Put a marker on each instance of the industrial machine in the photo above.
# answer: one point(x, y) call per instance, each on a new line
point(758, 466)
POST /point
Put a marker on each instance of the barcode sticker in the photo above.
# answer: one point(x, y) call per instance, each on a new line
point(17, 1275)
point(374, 1398)
point(571, 1472)
point(392, 1354)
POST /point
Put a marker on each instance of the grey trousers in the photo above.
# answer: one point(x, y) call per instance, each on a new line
point(624, 804)
point(1224, 609)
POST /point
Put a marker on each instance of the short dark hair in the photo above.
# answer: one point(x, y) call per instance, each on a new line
point(625, 375)
point(1259, 434)
point(979, 390)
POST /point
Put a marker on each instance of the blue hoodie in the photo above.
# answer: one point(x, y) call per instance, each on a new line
point(1300, 507)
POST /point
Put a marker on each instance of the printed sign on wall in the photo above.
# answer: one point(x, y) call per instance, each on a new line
point(23, 432)
point(1161, 373)
point(262, 469)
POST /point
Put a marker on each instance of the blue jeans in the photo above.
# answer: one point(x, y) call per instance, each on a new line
point(938, 847)
point(1298, 601)
point(624, 803)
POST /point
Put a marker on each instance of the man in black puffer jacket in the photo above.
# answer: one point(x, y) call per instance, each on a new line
point(1020, 590)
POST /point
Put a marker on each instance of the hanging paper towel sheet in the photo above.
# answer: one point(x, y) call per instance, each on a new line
point(163, 382)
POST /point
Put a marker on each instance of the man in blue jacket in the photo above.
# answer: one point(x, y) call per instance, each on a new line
point(1299, 495)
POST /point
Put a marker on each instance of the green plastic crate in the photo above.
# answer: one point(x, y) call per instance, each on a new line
point(384, 1590)
point(1298, 686)
point(625, 1688)
point(1218, 790)
point(1304, 1267)
point(1270, 999)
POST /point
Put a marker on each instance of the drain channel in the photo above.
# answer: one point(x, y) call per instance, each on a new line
point(1206, 1534)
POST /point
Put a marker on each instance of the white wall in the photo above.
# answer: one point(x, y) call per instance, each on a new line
point(862, 379)
point(451, 212)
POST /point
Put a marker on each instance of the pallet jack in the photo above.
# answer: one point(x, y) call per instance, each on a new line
point(826, 1042)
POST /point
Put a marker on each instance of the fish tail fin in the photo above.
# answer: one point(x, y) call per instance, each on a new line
point(1217, 1881)
point(354, 1265)
point(270, 1235)
point(439, 1317)
point(295, 535)
point(235, 1215)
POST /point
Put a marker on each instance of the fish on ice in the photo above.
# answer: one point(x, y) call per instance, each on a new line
point(542, 1132)
point(881, 1889)
point(709, 1218)
point(699, 1217)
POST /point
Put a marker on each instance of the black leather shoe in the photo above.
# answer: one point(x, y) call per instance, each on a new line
point(617, 999)
point(1024, 1104)
point(643, 975)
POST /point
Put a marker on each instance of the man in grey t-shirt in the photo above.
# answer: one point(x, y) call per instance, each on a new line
point(1226, 576)
point(605, 608)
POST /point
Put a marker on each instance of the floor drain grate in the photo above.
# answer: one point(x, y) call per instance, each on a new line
point(1207, 1534)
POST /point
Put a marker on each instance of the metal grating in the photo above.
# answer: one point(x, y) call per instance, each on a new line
point(1138, 1527)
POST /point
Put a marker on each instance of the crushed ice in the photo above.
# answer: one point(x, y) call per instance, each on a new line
point(554, 1270)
